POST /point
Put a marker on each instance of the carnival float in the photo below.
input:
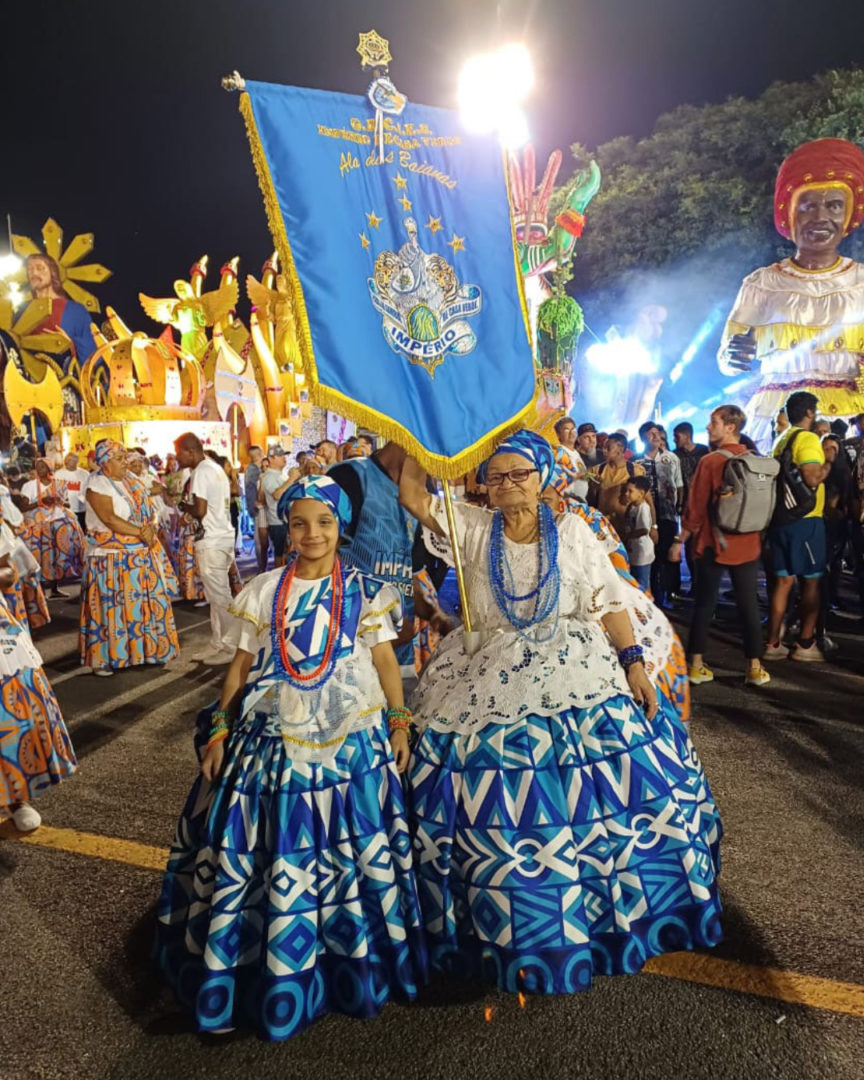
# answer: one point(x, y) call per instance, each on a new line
point(231, 383)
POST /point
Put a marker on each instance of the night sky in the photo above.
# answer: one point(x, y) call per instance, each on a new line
point(115, 121)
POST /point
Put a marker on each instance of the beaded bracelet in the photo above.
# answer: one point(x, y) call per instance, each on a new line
point(399, 719)
point(220, 727)
point(632, 654)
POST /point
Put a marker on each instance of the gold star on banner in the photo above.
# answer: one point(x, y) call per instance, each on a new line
point(405, 202)
point(364, 239)
point(457, 243)
point(374, 220)
point(434, 223)
point(400, 181)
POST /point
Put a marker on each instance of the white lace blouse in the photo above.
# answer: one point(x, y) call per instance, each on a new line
point(510, 676)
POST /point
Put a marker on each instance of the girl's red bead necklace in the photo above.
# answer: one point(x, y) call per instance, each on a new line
point(320, 674)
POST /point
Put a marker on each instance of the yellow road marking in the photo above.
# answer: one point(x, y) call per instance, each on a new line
point(789, 986)
point(809, 990)
point(81, 843)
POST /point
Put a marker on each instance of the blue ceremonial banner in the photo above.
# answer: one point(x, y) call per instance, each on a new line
point(410, 312)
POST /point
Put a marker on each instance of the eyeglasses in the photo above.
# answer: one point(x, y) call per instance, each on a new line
point(515, 476)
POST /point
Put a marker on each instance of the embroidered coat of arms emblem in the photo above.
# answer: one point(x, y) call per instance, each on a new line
point(423, 306)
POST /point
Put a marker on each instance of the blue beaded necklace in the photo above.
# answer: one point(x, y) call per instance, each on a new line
point(545, 594)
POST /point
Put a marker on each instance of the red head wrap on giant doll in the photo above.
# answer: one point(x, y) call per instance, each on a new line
point(820, 164)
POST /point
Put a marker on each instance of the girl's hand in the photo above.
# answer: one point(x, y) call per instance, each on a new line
point(643, 691)
point(211, 766)
point(401, 751)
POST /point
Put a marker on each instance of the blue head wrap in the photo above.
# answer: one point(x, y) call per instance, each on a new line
point(534, 448)
point(322, 490)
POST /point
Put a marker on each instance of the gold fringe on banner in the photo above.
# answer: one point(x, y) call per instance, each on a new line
point(447, 468)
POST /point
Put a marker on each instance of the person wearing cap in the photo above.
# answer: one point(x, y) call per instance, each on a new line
point(275, 481)
point(294, 845)
point(586, 445)
point(799, 323)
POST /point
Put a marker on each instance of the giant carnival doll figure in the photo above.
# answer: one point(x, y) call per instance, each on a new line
point(802, 319)
point(43, 276)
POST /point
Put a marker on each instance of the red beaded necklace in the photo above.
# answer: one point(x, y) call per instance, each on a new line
point(334, 630)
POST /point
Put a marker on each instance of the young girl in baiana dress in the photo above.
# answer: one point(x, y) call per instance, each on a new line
point(35, 751)
point(289, 891)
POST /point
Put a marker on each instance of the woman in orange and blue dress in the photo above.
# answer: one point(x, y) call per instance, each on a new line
point(24, 596)
point(35, 751)
point(126, 615)
point(51, 530)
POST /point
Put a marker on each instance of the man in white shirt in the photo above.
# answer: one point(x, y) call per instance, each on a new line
point(74, 481)
point(209, 502)
point(274, 482)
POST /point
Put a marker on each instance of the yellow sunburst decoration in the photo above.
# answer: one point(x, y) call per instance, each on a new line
point(20, 330)
point(69, 261)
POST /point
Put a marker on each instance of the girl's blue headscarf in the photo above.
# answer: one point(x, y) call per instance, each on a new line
point(534, 448)
point(322, 490)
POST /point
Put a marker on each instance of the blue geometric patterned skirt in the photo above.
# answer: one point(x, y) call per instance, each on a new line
point(289, 891)
point(562, 847)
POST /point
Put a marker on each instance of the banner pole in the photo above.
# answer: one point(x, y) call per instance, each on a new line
point(472, 637)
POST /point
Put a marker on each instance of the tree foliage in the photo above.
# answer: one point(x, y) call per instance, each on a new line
point(704, 181)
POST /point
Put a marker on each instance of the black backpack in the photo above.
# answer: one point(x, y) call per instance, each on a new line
point(795, 498)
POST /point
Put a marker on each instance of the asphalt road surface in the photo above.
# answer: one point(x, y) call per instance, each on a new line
point(782, 997)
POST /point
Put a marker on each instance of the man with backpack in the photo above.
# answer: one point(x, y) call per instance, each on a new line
point(716, 550)
point(796, 539)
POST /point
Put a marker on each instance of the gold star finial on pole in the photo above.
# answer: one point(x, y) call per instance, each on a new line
point(374, 50)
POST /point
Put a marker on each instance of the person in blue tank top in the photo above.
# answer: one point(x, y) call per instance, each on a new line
point(381, 532)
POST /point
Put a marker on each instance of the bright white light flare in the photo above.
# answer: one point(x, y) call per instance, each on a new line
point(621, 357)
point(492, 87)
point(9, 264)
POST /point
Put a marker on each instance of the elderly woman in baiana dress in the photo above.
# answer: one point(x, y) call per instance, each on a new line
point(51, 530)
point(126, 615)
point(564, 826)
